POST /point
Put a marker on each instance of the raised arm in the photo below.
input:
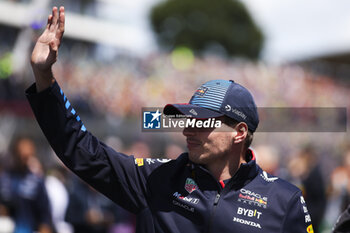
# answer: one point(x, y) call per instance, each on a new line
point(46, 49)
point(114, 174)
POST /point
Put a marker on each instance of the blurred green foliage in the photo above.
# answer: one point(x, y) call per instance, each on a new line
point(5, 66)
point(222, 26)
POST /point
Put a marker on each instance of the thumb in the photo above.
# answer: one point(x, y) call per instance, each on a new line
point(53, 52)
point(53, 46)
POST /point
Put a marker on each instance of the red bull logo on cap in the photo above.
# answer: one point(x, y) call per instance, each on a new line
point(201, 91)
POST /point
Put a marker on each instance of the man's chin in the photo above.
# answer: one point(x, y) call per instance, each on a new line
point(196, 157)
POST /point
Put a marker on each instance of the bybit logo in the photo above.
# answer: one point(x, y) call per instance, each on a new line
point(249, 213)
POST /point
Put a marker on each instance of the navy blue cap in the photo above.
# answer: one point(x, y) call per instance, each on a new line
point(217, 98)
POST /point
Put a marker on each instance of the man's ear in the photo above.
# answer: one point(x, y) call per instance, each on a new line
point(242, 132)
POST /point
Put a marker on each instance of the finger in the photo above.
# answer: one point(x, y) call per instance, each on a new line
point(49, 21)
point(61, 20)
point(55, 18)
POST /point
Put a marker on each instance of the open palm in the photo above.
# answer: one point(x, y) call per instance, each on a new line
point(44, 54)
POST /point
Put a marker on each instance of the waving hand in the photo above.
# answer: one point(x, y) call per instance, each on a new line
point(45, 52)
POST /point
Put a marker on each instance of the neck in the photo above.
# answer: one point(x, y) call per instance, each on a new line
point(226, 167)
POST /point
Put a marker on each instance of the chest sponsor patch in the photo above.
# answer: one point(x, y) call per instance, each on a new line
point(252, 198)
point(191, 200)
point(184, 206)
point(247, 222)
point(249, 213)
point(190, 185)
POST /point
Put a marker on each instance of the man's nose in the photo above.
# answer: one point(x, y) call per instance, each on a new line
point(188, 131)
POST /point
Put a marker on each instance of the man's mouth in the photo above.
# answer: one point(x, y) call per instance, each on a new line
point(192, 143)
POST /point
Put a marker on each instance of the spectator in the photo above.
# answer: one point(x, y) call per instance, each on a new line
point(6, 223)
point(94, 213)
point(343, 173)
point(305, 168)
point(339, 197)
point(343, 223)
point(59, 198)
point(22, 190)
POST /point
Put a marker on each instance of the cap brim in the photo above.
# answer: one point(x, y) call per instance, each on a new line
point(190, 110)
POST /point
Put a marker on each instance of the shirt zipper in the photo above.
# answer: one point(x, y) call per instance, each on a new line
point(216, 201)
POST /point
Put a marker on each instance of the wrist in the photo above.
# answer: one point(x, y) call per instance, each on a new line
point(43, 78)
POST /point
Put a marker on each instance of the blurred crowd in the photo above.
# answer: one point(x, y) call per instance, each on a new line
point(154, 81)
point(34, 198)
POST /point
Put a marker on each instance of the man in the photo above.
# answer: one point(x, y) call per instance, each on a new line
point(23, 195)
point(215, 187)
point(305, 170)
point(343, 223)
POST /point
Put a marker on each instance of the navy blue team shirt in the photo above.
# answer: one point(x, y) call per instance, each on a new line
point(170, 196)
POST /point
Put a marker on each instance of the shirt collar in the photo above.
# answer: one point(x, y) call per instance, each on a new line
point(245, 173)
